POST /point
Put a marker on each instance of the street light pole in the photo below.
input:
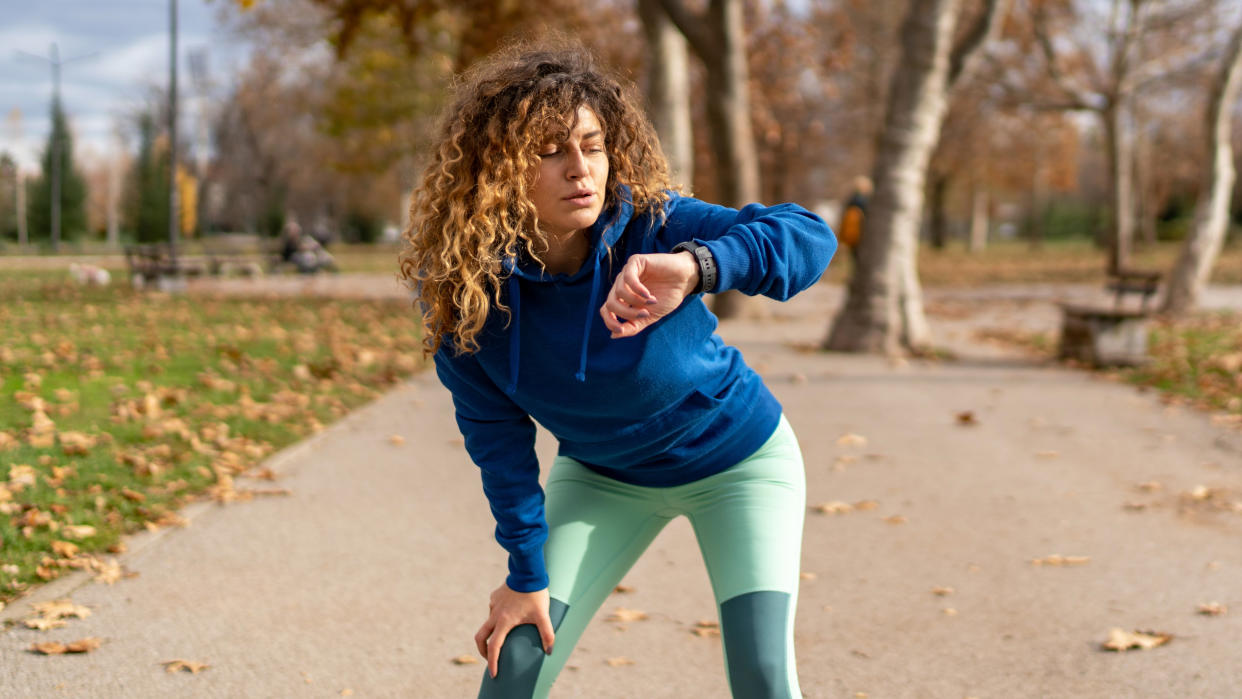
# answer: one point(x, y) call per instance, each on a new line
point(57, 109)
point(174, 222)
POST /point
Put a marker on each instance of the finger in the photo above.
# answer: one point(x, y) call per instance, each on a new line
point(629, 329)
point(628, 294)
point(493, 651)
point(633, 279)
point(546, 634)
point(610, 320)
point(480, 638)
point(625, 310)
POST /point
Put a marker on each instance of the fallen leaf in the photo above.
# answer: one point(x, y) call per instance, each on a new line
point(849, 439)
point(84, 645)
point(347, 692)
point(396, 440)
point(1048, 454)
point(942, 591)
point(1201, 492)
point(64, 549)
point(1121, 640)
point(44, 624)
point(835, 507)
point(1150, 486)
point(1057, 560)
point(622, 589)
point(1212, 609)
point(895, 519)
point(624, 615)
point(619, 661)
point(805, 575)
point(863, 505)
point(465, 660)
point(967, 417)
point(184, 666)
point(706, 629)
point(949, 611)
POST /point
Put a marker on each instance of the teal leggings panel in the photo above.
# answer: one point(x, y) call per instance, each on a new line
point(748, 522)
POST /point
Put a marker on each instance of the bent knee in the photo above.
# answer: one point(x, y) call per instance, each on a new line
point(517, 668)
point(755, 627)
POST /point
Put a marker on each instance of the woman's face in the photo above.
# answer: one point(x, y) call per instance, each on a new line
point(569, 186)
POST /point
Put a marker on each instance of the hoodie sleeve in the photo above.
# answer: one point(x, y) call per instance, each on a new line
point(776, 251)
point(500, 438)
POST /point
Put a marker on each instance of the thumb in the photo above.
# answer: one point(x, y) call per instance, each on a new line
point(546, 634)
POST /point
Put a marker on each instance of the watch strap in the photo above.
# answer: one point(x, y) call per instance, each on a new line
point(708, 275)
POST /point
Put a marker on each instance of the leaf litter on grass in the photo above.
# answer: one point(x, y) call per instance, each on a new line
point(129, 406)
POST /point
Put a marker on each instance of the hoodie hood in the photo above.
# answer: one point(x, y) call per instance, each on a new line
point(604, 234)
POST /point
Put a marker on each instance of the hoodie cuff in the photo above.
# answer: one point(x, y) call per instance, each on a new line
point(527, 572)
point(733, 263)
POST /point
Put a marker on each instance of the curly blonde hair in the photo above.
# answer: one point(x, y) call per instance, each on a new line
point(472, 209)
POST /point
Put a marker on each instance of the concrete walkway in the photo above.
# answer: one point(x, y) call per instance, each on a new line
point(374, 573)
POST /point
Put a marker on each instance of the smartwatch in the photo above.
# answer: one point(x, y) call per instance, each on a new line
point(707, 265)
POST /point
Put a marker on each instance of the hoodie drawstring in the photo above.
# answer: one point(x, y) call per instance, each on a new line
point(515, 300)
point(586, 326)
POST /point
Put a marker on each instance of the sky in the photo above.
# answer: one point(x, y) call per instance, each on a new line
point(125, 48)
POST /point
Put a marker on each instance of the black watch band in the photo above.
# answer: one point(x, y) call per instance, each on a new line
point(707, 265)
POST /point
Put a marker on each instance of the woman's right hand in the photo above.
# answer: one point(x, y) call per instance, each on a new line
point(508, 609)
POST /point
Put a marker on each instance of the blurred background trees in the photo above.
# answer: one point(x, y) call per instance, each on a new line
point(1083, 119)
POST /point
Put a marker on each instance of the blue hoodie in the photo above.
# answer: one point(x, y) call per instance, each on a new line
point(669, 406)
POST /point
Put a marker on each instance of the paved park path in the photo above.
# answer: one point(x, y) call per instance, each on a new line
point(374, 573)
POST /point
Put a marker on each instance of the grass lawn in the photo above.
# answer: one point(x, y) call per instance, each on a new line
point(117, 408)
point(1197, 360)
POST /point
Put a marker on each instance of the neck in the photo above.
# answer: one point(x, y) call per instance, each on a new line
point(565, 252)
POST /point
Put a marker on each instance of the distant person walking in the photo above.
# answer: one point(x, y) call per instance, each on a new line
point(561, 281)
point(849, 233)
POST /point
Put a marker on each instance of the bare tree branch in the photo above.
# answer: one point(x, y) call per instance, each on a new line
point(693, 27)
point(1050, 60)
point(961, 62)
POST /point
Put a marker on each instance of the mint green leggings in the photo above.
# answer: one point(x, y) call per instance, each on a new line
point(748, 521)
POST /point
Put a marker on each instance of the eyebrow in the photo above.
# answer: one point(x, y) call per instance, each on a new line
point(593, 134)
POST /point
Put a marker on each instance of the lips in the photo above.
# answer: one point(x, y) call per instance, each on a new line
point(581, 198)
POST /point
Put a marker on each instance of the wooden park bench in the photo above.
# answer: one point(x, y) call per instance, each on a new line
point(1111, 335)
point(156, 263)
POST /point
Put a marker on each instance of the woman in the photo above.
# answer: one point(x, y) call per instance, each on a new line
point(560, 279)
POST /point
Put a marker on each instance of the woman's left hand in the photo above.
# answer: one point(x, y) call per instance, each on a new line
point(648, 288)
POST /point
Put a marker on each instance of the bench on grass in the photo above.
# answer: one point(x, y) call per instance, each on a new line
point(157, 263)
point(1111, 336)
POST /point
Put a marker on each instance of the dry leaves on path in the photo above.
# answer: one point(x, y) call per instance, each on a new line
point(53, 615)
point(849, 439)
point(184, 666)
point(1212, 609)
point(967, 418)
point(465, 660)
point(619, 661)
point(1121, 640)
point(625, 615)
point(706, 629)
point(1056, 560)
point(83, 645)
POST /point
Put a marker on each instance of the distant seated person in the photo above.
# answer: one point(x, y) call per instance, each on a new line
point(304, 252)
point(849, 233)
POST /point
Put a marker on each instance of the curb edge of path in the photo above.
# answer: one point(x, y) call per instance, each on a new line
point(280, 465)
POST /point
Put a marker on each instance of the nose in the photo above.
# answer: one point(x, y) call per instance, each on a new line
point(576, 165)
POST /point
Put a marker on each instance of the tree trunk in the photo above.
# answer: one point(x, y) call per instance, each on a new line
point(668, 90)
point(939, 227)
point(719, 40)
point(1194, 265)
point(884, 309)
point(979, 220)
point(1121, 184)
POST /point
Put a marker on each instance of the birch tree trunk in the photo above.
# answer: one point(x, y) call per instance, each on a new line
point(719, 40)
point(979, 220)
point(1121, 185)
point(1194, 265)
point(884, 308)
point(668, 90)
